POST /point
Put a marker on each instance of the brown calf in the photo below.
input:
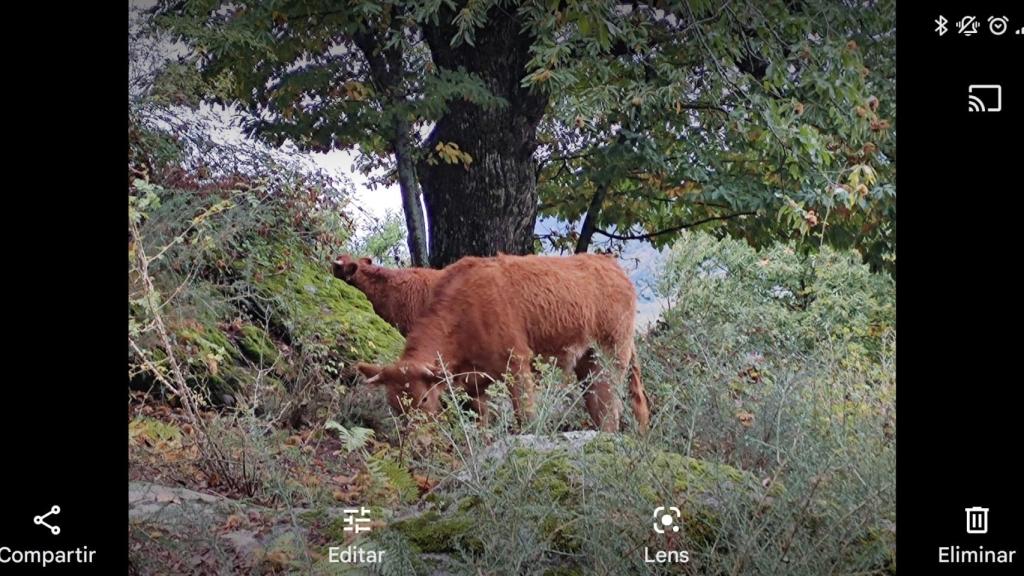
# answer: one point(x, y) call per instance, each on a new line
point(490, 316)
point(399, 296)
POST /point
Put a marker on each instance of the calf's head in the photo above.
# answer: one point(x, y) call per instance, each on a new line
point(347, 268)
point(406, 384)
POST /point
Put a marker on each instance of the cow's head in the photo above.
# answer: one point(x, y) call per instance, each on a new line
point(347, 268)
point(406, 384)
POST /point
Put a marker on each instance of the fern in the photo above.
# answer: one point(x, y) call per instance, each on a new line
point(353, 439)
point(401, 557)
point(386, 471)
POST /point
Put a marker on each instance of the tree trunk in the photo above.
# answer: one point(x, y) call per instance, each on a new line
point(491, 205)
point(590, 221)
point(408, 184)
point(386, 73)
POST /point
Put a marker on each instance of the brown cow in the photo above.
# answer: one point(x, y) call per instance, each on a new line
point(399, 296)
point(490, 316)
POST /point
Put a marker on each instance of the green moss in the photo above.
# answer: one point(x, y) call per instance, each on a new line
point(212, 359)
point(333, 530)
point(250, 262)
point(567, 495)
point(209, 340)
point(320, 310)
point(561, 528)
point(434, 533)
point(553, 477)
point(257, 345)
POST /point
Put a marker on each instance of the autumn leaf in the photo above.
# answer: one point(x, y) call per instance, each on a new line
point(425, 484)
point(234, 522)
point(278, 558)
point(451, 154)
point(344, 479)
point(745, 418)
point(212, 364)
point(811, 217)
point(356, 91)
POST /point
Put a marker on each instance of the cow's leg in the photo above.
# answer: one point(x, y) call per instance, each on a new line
point(479, 403)
point(567, 362)
point(599, 394)
point(628, 363)
point(521, 387)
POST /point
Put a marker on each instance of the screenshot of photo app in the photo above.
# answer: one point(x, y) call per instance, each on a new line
point(519, 287)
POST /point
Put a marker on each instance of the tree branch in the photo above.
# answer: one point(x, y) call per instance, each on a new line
point(590, 222)
point(673, 228)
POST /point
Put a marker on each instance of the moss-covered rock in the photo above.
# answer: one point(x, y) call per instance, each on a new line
point(244, 292)
point(211, 357)
point(257, 345)
point(432, 533)
point(577, 493)
point(320, 310)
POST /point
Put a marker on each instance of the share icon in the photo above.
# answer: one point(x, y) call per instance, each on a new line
point(41, 520)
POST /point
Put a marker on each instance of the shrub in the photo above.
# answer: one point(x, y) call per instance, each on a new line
point(772, 379)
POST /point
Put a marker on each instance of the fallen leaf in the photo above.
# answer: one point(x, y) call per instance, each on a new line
point(424, 483)
point(235, 521)
point(279, 558)
point(746, 418)
point(344, 479)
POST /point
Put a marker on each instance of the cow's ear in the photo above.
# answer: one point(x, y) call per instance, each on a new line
point(343, 270)
point(370, 371)
point(365, 261)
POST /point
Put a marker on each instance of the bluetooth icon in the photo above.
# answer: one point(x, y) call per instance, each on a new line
point(941, 21)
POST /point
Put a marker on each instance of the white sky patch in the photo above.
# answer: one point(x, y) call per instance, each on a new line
point(376, 202)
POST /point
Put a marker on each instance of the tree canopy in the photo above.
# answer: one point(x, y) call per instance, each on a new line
point(762, 120)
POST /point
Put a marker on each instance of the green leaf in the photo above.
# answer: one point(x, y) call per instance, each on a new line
point(353, 439)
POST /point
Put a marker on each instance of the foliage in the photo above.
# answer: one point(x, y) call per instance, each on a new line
point(755, 119)
point(244, 283)
point(762, 120)
point(352, 439)
point(778, 299)
point(772, 378)
point(384, 240)
point(324, 77)
point(784, 365)
point(236, 239)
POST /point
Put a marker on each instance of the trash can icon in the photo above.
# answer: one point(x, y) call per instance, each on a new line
point(977, 520)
